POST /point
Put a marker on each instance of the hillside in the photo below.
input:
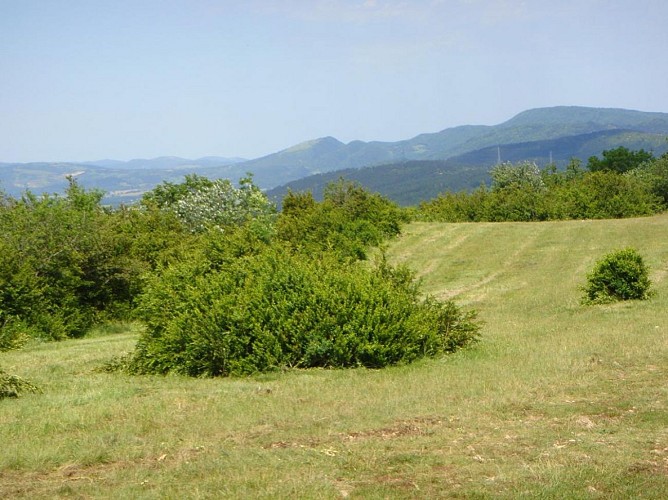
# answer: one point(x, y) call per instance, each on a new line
point(561, 132)
point(410, 182)
point(558, 400)
point(533, 125)
point(406, 183)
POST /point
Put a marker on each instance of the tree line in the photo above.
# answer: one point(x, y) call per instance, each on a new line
point(623, 183)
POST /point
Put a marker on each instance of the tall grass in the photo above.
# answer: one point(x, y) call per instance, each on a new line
point(559, 400)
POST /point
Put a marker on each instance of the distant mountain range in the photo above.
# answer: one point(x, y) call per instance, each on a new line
point(408, 171)
point(122, 181)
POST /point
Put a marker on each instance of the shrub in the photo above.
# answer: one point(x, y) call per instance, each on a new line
point(12, 386)
point(62, 264)
point(348, 221)
point(168, 194)
point(654, 175)
point(525, 174)
point(620, 275)
point(274, 310)
point(607, 195)
point(13, 334)
point(221, 204)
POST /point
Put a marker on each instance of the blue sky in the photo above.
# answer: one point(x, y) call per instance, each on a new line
point(93, 79)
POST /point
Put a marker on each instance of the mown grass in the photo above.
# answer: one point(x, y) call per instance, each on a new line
point(559, 400)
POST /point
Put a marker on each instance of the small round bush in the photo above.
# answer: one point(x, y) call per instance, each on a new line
point(620, 275)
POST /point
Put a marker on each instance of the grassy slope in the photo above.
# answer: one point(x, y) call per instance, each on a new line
point(559, 400)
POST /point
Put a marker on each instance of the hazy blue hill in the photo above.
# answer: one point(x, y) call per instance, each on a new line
point(165, 162)
point(38, 176)
point(564, 121)
point(123, 183)
point(318, 154)
point(562, 149)
point(445, 143)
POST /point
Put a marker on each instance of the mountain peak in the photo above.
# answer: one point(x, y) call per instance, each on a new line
point(321, 143)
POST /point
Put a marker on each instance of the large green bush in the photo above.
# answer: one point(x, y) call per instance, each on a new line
point(620, 275)
point(63, 265)
point(274, 309)
point(347, 222)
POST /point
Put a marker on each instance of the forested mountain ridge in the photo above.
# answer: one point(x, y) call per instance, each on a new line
point(411, 181)
point(468, 151)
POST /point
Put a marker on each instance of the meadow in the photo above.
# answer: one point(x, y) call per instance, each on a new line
point(557, 400)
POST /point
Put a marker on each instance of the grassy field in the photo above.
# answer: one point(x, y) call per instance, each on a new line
point(558, 400)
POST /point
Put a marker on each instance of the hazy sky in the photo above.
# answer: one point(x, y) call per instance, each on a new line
point(122, 79)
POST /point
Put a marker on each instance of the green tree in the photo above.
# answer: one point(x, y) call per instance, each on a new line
point(221, 204)
point(525, 174)
point(606, 195)
point(168, 194)
point(654, 175)
point(619, 160)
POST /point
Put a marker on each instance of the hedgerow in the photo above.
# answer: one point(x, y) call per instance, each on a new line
point(522, 192)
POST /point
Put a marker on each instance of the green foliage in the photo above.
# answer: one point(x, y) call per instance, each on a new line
point(13, 334)
point(522, 193)
point(619, 160)
point(153, 237)
point(275, 310)
point(515, 202)
point(525, 174)
point(12, 386)
point(220, 204)
point(603, 195)
point(348, 221)
point(61, 264)
point(620, 275)
point(456, 207)
point(654, 176)
point(168, 194)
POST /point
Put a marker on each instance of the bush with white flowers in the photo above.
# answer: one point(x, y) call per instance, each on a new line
point(222, 204)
